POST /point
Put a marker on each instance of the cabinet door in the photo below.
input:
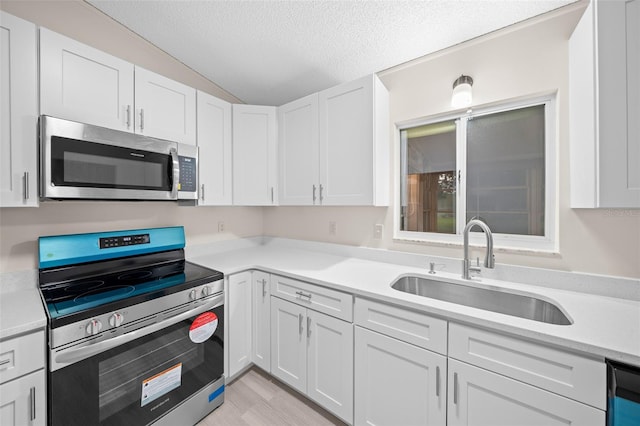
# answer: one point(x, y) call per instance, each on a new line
point(165, 109)
point(618, 55)
point(289, 343)
point(254, 155)
point(480, 397)
point(397, 383)
point(19, 113)
point(214, 150)
point(23, 401)
point(261, 354)
point(298, 151)
point(346, 144)
point(239, 314)
point(80, 83)
point(330, 363)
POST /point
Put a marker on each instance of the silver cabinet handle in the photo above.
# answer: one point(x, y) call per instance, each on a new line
point(272, 195)
point(300, 323)
point(264, 288)
point(301, 295)
point(32, 399)
point(5, 361)
point(455, 388)
point(437, 381)
point(314, 194)
point(202, 191)
point(128, 116)
point(26, 185)
point(308, 327)
point(141, 119)
point(321, 188)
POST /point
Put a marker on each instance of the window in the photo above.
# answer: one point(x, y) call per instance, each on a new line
point(497, 165)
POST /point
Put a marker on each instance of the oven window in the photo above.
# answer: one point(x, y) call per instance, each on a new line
point(109, 388)
point(124, 377)
point(89, 164)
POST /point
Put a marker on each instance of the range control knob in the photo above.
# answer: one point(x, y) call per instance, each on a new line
point(116, 319)
point(206, 290)
point(193, 295)
point(94, 327)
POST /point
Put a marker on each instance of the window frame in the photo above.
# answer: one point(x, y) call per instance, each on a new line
point(546, 243)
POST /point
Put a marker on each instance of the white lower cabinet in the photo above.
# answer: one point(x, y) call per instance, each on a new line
point(23, 401)
point(397, 383)
point(313, 353)
point(238, 309)
point(261, 328)
point(481, 397)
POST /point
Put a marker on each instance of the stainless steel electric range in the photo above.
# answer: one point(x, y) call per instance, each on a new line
point(136, 333)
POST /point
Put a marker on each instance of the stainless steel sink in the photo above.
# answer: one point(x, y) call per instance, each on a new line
point(482, 298)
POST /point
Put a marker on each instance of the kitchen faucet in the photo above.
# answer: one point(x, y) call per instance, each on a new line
point(489, 260)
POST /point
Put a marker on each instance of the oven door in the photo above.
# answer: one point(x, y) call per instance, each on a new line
point(140, 381)
point(89, 162)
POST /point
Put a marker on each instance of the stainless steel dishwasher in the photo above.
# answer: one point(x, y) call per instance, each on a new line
point(623, 394)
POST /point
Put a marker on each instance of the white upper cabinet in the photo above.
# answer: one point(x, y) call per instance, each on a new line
point(214, 150)
point(255, 138)
point(334, 146)
point(604, 106)
point(19, 113)
point(80, 83)
point(165, 108)
point(298, 148)
point(354, 143)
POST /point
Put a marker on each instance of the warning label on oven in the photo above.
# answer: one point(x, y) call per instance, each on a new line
point(203, 327)
point(160, 384)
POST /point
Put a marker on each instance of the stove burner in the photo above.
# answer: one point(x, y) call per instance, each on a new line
point(136, 275)
point(115, 291)
point(84, 285)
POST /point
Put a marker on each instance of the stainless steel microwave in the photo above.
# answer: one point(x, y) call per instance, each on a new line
point(81, 161)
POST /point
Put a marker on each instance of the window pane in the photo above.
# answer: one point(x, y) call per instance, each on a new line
point(428, 178)
point(505, 170)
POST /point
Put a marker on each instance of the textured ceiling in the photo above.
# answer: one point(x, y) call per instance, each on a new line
point(272, 52)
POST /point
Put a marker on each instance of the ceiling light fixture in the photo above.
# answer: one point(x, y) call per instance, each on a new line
point(462, 94)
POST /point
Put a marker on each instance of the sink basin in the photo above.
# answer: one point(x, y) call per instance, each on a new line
point(482, 298)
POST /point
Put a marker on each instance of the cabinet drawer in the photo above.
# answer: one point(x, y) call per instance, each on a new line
point(321, 299)
point(564, 373)
point(403, 324)
point(21, 355)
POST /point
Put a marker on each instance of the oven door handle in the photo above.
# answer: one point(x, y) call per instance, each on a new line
point(69, 356)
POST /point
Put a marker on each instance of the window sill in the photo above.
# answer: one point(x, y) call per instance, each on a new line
point(501, 244)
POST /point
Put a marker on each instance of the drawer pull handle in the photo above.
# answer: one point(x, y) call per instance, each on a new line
point(302, 294)
point(455, 388)
point(438, 381)
point(5, 361)
point(300, 323)
point(32, 399)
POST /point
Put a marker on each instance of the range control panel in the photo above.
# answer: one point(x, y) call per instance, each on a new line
point(127, 240)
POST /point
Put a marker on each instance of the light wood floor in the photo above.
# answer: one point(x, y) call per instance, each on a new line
point(257, 399)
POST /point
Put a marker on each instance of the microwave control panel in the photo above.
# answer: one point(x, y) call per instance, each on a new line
point(188, 174)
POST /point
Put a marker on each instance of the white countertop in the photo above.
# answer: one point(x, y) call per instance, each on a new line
point(21, 309)
point(603, 327)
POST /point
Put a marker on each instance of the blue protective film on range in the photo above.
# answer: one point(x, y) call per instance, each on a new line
point(61, 250)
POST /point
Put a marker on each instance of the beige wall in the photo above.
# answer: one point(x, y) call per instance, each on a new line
point(517, 62)
point(504, 65)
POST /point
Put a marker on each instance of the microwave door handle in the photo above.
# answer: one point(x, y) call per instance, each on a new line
point(73, 355)
point(174, 173)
